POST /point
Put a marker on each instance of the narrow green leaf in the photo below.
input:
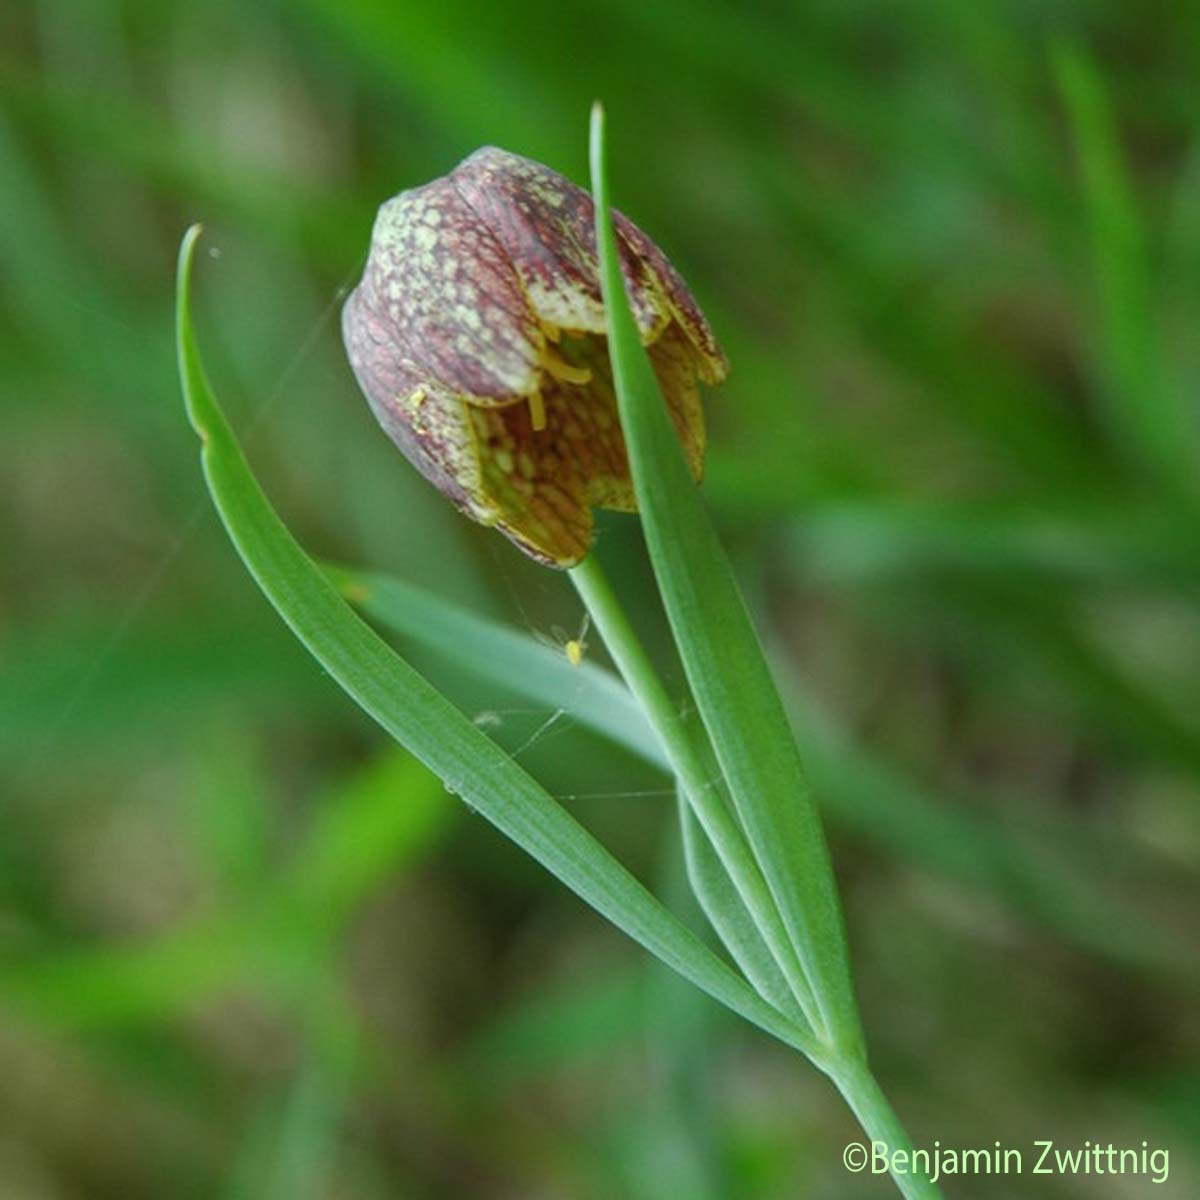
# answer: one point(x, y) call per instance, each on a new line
point(377, 822)
point(860, 792)
point(92, 987)
point(372, 823)
point(511, 659)
point(557, 1027)
point(291, 1147)
point(699, 778)
point(729, 917)
point(1120, 543)
point(421, 718)
point(1150, 421)
point(722, 656)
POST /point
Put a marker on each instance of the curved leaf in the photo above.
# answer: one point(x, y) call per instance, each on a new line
point(420, 717)
point(721, 654)
point(505, 656)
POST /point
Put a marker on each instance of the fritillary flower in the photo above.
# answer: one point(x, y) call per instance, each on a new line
point(478, 335)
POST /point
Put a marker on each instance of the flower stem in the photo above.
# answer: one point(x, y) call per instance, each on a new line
point(849, 1073)
point(881, 1125)
point(715, 818)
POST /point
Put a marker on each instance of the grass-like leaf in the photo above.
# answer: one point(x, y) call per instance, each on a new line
point(722, 656)
point(1151, 421)
point(421, 718)
point(859, 792)
point(727, 914)
point(511, 659)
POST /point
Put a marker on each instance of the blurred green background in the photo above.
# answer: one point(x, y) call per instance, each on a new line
point(248, 949)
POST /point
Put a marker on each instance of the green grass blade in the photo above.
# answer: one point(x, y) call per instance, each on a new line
point(722, 656)
point(371, 827)
point(507, 657)
point(1120, 543)
point(1040, 878)
point(420, 717)
point(1149, 419)
point(371, 824)
point(561, 1026)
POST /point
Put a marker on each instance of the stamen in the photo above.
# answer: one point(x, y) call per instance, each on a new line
point(563, 370)
point(537, 412)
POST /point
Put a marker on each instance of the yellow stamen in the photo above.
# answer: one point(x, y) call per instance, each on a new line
point(563, 370)
point(537, 412)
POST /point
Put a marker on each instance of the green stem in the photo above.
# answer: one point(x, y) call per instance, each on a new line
point(881, 1125)
point(713, 814)
point(851, 1075)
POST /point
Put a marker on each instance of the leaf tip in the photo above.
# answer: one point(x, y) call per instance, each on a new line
point(191, 374)
point(187, 252)
point(596, 148)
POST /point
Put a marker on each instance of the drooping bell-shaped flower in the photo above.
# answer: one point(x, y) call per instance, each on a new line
point(478, 335)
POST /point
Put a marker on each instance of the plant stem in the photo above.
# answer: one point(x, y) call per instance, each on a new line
point(714, 816)
point(851, 1075)
point(881, 1125)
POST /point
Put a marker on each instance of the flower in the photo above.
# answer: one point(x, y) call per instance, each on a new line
point(477, 334)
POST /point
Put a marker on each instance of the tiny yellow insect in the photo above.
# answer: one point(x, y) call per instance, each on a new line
point(575, 648)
